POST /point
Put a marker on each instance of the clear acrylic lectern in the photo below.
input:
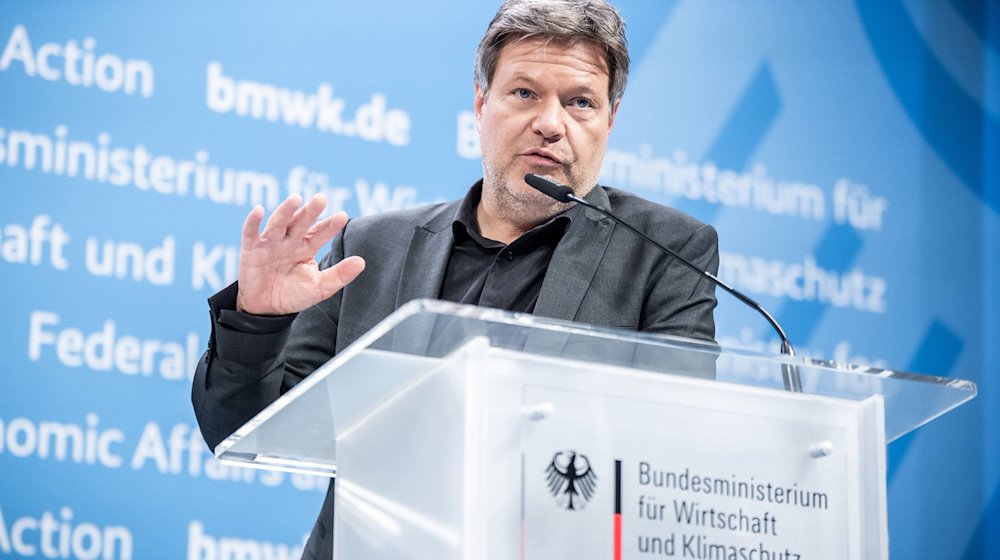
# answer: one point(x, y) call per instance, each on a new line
point(458, 432)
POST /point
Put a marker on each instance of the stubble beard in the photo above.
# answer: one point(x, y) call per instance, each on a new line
point(519, 205)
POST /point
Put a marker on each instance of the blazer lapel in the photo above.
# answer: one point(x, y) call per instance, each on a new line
point(427, 258)
point(575, 261)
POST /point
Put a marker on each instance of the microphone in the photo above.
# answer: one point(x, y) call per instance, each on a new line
point(563, 193)
point(555, 190)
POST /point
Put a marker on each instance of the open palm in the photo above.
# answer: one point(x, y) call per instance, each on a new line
point(278, 272)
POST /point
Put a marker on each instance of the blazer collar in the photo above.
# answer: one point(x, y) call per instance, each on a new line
point(427, 256)
point(571, 270)
point(575, 260)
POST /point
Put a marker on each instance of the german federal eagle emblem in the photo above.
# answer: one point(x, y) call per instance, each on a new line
point(571, 479)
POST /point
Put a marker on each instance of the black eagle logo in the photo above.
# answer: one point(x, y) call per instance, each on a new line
point(571, 479)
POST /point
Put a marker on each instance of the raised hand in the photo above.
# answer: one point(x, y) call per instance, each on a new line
point(278, 271)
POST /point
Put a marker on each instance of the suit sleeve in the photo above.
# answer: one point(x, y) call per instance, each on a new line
point(242, 372)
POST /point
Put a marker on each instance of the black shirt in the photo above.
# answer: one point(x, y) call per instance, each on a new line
point(488, 273)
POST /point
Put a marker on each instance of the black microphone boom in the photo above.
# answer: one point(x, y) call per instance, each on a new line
point(563, 193)
point(560, 192)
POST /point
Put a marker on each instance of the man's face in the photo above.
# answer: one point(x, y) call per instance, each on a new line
point(547, 112)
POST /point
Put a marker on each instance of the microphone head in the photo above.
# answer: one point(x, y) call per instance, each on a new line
point(551, 188)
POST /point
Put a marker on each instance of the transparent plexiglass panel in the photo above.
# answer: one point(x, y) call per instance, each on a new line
point(298, 432)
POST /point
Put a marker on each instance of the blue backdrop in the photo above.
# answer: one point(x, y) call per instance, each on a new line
point(846, 152)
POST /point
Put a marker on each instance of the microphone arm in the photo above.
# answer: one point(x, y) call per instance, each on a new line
point(563, 193)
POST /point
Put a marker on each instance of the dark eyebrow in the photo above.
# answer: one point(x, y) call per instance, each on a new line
point(583, 90)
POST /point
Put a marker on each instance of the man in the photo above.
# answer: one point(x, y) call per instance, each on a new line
point(549, 77)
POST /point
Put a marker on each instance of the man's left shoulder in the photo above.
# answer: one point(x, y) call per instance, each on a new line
point(400, 220)
point(639, 211)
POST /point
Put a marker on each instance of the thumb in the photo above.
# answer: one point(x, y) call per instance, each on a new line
point(333, 279)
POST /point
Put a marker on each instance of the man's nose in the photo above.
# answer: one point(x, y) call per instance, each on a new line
point(550, 120)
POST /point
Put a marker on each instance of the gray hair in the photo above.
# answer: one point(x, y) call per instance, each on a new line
point(594, 21)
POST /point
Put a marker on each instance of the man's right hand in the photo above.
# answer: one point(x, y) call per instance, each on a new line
point(278, 271)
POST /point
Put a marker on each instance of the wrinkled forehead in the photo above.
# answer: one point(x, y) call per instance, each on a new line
point(578, 53)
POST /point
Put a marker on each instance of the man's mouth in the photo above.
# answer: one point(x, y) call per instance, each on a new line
point(542, 157)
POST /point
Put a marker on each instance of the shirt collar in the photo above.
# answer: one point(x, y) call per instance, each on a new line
point(466, 224)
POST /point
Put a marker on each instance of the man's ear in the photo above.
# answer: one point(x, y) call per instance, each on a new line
point(478, 104)
point(614, 111)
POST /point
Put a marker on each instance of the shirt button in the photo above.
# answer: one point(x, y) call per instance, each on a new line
point(508, 255)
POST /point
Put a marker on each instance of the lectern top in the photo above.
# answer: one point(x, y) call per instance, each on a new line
point(419, 336)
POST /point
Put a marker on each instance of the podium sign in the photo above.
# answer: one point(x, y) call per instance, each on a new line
point(695, 470)
point(467, 433)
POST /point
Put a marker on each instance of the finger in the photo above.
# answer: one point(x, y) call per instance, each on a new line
point(251, 227)
point(305, 217)
point(323, 231)
point(333, 279)
point(277, 224)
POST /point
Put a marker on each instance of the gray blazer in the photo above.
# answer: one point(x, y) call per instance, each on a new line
point(599, 274)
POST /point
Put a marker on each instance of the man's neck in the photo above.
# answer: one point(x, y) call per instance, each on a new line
point(497, 228)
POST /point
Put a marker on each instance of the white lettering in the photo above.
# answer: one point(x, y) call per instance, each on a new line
point(136, 166)
point(62, 441)
point(119, 259)
point(373, 121)
point(203, 546)
point(85, 68)
point(18, 48)
point(309, 183)
point(677, 176)
point(151, 446)
point(60, 538)
point(176, 451)
point(215, 267)
point(854, 204)
point(37, 337)
point(20, 245)
point(21, 438)
point(805, 281)
point(17, 535)
point(182, 451)
point(105, 350)
point(376, 199)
